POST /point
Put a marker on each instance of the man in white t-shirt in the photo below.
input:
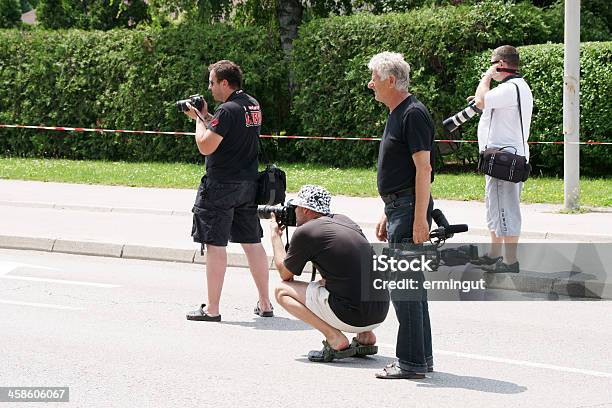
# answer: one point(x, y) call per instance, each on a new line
point(500, 126)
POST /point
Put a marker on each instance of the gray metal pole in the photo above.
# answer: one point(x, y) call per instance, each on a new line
point(571, 106)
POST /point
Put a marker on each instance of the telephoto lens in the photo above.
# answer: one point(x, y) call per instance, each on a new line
point(451, 124)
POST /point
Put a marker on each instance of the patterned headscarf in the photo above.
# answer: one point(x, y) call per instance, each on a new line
point(315, 198)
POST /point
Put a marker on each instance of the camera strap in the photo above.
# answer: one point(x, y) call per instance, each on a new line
point(518, 99)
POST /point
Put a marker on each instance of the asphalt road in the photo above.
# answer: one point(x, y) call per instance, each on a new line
point(114, 331)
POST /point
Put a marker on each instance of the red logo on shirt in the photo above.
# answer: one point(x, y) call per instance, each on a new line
point(252, 117)
point(214, 122)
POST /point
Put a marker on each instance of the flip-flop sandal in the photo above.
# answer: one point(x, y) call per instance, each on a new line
point(262, 313)
point(202, 316)
point(393, 371)
point(328, 354)
point(363, 350)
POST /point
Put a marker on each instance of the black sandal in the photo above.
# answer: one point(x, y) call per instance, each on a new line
point(263, 313)
point(393, 372)
point(363, 350)
point(328, 354)
point(202, 316)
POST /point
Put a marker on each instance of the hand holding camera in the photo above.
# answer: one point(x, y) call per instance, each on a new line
point(276, 228)
point(195, 106)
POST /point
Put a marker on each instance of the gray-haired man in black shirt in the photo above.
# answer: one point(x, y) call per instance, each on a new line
point(405, 173)
point(334, 244)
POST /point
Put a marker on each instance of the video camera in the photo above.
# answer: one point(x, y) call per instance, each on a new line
point(437, 237)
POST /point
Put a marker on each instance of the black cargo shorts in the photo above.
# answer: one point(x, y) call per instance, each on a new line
point(226, 211)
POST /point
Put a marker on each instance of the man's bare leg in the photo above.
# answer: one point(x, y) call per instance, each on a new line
point(258, 264)
point(216, 263)
point(496, 245)
point(510, 249)
point(292, 296)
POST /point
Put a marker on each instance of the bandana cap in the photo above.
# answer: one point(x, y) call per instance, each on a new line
point(315, 198)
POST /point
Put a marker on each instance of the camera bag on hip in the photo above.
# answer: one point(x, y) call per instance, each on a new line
point(502, 164)
point(271, 183)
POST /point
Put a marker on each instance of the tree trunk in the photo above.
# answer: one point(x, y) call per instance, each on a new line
point(289, 14)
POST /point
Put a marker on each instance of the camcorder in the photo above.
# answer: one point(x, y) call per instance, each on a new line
point(284, 215)
point(454, 122)
point(431, 251)
point(197, 101)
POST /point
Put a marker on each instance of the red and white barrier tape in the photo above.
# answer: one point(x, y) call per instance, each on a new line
point(73, 129)
point(158, 132)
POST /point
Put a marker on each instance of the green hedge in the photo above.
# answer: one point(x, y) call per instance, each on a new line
point(542, 68)
point(331, 54)
point(130, 79)
point(126, 79)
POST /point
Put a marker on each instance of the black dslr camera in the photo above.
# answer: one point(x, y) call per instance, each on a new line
point(197, 101)
point(285, 215)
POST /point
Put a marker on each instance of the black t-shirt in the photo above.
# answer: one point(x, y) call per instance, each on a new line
point(337, 252)
point(238, 121)
point(409, 129)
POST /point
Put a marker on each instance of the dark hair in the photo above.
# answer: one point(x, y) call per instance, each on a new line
point(226, 69)
point(507, 53)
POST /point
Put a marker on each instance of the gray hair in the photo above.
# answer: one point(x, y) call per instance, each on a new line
point(391, 63)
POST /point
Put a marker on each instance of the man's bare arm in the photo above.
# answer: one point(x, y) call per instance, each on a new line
point(420, 230)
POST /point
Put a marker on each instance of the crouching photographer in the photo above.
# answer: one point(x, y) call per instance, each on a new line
point(332, 305)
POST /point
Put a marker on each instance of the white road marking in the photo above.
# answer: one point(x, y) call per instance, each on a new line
point(6, 267)
point(515, 362)
point(66, 282)
point(45, 305)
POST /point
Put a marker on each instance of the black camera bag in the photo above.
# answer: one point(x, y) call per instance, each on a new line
point(502, 164)
point(271, 183)
point(271, 186)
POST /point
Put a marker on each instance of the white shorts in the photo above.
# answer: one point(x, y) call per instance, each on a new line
point(503, 203)
point(317, 301)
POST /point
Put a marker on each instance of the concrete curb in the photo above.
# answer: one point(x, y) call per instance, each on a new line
point(91, 208)
point(554, 287)
point(541, 235)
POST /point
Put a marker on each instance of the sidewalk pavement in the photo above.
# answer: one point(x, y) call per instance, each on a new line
point(155, 224)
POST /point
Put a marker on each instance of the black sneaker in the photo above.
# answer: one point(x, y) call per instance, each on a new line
point(486, 260)
point(501, 267)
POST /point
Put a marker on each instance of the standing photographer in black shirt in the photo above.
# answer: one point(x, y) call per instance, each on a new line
point(225, 208)
point(405, 173)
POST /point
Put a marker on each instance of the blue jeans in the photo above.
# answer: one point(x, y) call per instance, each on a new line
point(413, 348)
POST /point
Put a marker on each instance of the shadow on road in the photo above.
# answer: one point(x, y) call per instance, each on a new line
point(354, 362)
point(271, 323)
point(447, 380)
